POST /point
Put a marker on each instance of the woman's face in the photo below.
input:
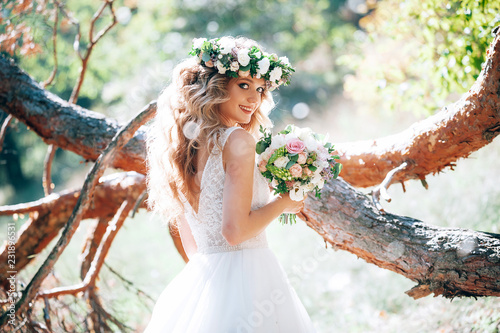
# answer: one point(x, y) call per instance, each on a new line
point(245, 97)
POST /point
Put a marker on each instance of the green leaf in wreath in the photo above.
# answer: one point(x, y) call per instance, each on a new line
point(245, 68)
point(205, 57)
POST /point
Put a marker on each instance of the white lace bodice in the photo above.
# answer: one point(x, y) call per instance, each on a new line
point(206, 225)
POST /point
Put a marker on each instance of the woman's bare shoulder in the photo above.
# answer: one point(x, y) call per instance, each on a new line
point(239, 140)
point(240, 136)
point(240, 146)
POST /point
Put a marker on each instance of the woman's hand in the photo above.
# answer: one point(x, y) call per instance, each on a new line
point(291, 206)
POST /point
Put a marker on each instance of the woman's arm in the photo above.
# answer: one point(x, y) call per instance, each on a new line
point(187, 238)
point(239, 222)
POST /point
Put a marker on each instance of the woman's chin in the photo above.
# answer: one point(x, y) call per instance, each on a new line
point(245, 120)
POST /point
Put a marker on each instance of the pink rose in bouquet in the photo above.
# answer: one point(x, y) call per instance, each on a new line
point(296, 170)
point(302, 158)
point(295, 146)
point(262, 166)
point(307, 172)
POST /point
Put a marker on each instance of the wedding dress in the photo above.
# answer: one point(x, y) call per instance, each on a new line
point(223, 288)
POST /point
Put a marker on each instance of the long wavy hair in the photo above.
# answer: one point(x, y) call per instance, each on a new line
point(187, 120)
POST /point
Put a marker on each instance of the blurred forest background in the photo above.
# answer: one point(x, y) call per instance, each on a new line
point(364, 69)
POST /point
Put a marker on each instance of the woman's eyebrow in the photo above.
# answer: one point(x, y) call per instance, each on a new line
point(246, 80)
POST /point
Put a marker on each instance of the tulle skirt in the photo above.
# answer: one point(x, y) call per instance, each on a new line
point(237, 291)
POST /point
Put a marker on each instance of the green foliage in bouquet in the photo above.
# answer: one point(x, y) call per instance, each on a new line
point(264, 142)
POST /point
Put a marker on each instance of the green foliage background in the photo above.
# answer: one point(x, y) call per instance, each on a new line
point(418, 56)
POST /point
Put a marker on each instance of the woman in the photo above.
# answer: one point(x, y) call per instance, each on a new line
point(202, 175)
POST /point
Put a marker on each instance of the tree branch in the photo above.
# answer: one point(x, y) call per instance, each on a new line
point(94, 237)
point(444, 261)
point(381, 190)
point(50, 117)
point(92, 42)
point(121, 138)
point(3, 130)
point(47, 167)
point(436, 142)
point(102, 251)
point(49, 214)
point(52, 75)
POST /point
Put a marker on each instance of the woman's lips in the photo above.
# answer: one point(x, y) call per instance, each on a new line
point(246, 109)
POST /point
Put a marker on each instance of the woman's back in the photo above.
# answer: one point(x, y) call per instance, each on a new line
point(206, 224)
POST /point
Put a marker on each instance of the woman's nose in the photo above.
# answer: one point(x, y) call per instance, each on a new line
point(253, 97)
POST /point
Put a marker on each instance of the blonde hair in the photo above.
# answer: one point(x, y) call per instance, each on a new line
point(187, 120)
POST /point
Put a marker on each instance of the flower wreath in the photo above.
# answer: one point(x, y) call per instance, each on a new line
point(222, 54)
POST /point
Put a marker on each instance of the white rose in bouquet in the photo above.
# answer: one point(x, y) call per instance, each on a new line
point(278, 141)
point(304, 133)
point(297, 193)
point(281, 162)
point(311, 144)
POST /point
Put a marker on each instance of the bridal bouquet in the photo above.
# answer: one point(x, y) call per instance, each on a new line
point(298, 161)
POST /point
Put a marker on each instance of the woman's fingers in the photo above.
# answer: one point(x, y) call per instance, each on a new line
point(299, 206)
point(292, 206)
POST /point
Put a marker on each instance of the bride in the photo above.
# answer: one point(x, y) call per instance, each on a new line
point(202, 177)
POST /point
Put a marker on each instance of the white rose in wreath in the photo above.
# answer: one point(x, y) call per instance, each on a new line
point(198, 42)
point(235, 66)
point(275, 74)
point(226, 45)
point(243, 57)
point(221, 68)
point(264, 66)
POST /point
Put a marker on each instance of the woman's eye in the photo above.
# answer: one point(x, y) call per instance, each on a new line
point(244, 85)
point(260, 90)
